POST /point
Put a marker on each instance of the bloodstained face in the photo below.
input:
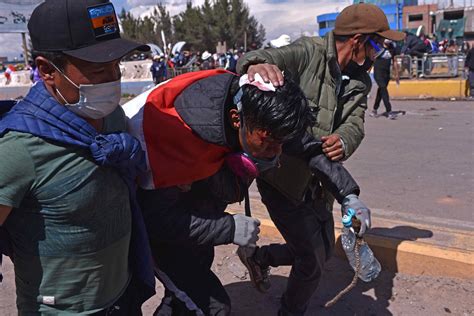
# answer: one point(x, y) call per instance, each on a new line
point(260, 144)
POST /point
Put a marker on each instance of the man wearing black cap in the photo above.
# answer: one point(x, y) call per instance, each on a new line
point(332, 72)
point(66, 192)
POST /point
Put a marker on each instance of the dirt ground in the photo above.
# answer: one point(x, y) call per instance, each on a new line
point(390, 294)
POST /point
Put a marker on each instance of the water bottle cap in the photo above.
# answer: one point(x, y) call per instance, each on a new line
point(347, 218)
point(347, 221)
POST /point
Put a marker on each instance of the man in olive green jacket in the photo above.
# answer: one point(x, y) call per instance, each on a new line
point(332, 72)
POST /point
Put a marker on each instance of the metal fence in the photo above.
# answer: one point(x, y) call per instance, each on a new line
point(431, 66)
point(405, 66)
point(173, 72)
point(444, 66)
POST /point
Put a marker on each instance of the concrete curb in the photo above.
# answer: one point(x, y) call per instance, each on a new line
point(415, 246)
point(429, 88)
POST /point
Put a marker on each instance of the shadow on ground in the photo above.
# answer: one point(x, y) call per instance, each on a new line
point(365, 299)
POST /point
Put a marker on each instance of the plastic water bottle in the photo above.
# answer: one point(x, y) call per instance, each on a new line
point(369, 265)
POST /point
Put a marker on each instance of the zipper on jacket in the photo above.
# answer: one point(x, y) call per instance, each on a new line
point(346, 93)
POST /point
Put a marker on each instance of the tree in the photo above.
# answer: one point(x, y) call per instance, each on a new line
point(235, 24)
point(188, 26)
point(201, 27)
point(165, 23)
point(222, 11)
point(209, 26)
point(255, 33)
point(237, 20)
point(129, 25)
point(147, 30)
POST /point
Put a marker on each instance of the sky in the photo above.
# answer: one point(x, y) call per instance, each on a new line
point(292, 17)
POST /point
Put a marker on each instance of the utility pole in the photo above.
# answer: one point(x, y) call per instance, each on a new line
point(245, 41)
point(398, 15)
point(25, 49)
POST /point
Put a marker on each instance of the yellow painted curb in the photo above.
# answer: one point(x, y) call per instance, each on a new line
point(429, 88)
point(410, 257)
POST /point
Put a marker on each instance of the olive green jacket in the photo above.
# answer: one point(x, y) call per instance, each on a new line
point(339, 104)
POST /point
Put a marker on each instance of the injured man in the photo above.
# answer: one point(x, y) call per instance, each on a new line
point(207, 136)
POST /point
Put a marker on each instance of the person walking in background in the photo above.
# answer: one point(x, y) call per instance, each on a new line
point(383, 63)
point(469, 65)
point(158, 69)
point(452, 52)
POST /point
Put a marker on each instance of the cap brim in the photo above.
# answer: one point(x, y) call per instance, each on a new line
point(392, 35)
point(107, 51)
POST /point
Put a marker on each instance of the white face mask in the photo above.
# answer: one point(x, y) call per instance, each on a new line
point(96, 101)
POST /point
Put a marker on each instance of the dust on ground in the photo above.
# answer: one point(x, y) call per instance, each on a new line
point(390, 294)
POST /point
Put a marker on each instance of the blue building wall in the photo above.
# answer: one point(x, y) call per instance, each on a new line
point(326, 21)
point(390, 11)
point(386, 2)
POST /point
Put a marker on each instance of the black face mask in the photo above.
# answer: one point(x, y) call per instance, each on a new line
point(353, 68)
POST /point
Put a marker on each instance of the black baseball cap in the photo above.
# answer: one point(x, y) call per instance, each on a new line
point(85, 29)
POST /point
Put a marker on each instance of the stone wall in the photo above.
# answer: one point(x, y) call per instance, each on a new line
point(131, 71)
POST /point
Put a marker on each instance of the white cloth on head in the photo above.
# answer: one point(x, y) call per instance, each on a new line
point(258, 82)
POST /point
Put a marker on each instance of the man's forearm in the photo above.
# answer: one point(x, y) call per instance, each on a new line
point(334, 177)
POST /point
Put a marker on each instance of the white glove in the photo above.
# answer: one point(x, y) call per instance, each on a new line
point(362, 212)
point(246, 230)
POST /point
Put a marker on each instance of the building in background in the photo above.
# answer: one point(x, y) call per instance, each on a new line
point(446, 21)
point(455, 23)
point(424, 15)
point(326, 22)
point(389, 7)
point(387, 2)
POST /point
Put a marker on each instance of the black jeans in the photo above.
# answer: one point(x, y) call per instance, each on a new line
point(471, 82)
point(308, 230)
point(382, 94)
point(189, 268)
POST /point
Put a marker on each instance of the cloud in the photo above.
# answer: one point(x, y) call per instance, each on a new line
point(292, 17)
point(295, 17)
point(11, 45)
point(141, 8)
point(134, 3)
